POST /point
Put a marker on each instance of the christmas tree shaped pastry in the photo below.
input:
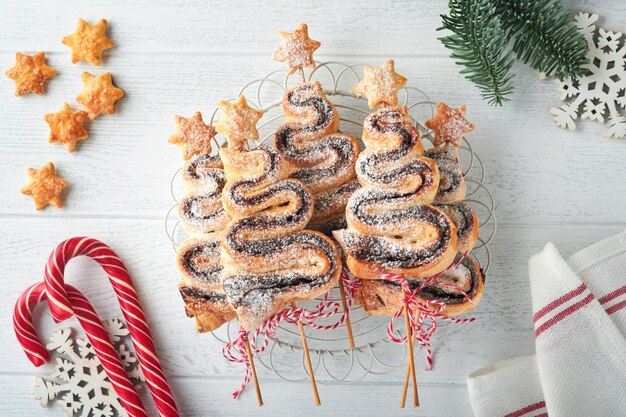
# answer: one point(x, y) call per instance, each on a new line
point(269, 259)
point(460, 285)
point(203, 218)
point(392, 226)
point(311, 141)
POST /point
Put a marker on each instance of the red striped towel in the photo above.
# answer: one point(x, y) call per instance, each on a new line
point(579, 369)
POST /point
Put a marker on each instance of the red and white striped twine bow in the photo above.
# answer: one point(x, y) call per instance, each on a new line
point(235, 350)
point(427, 310)
point(65, 301)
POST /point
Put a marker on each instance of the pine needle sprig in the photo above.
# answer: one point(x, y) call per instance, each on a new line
point(545, 36)
point(478, 42)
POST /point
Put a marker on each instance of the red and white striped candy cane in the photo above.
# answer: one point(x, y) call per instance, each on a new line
point(65, 301)
point(97, 335)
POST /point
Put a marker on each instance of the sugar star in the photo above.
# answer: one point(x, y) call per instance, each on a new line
point(88, 42)
point(449, 125)
point(296, 49)
point(238, 122)
point(99, 94)
point(193, 135)
point(30, 73)
point(66, 126)
point(380, 85)
point(45, 186)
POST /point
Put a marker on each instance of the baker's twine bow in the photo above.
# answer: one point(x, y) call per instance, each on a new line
point(428, 310)
point(235, 351)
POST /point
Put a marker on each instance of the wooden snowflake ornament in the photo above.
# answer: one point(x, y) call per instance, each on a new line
point(78, 381)
point(599, 94)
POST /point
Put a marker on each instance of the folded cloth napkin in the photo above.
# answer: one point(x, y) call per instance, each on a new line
point(579, 369)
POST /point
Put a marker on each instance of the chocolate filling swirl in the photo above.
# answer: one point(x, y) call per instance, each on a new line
point(263, 238)
point(325, 158)
point(466, 276)
point(450, 172)
point(391, 224)
point(384, 167)
point(201, 262)
point(393, 251)
point(201, 169)
point(201, 210)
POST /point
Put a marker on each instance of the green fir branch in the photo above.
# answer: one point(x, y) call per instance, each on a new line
point(478, 42)
point(545, 36)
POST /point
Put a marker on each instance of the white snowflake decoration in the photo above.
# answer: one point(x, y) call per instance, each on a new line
point(590, 96)
point(78, 381)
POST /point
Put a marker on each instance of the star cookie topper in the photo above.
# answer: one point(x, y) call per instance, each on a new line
point(193, 135)
point(449, 125)
point(66, 126)
point(45, 186)
point(238, 123)
point(88, 42)
point(296, 49)
point(99, 94)
point(30, 73)
point(380, 85)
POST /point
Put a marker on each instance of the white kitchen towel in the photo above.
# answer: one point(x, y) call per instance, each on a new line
point(580, 366)
point(602, 267)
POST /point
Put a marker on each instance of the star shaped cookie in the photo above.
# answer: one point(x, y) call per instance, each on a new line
point(67, 127)
point(380, 85)
point(193, 135)
point(30, 73)
point(88, 42)
point(296, 49)
point(45, 186)
point(238, 122)
point(449, 125)
point(99, 94)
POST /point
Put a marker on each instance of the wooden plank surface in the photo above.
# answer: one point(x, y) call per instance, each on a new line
point(180, 57)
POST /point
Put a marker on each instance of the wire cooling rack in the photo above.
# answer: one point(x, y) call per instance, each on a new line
point(333, 360)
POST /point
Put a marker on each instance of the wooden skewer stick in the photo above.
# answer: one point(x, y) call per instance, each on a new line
point(406, 378)
point(257, 388)
point(301, 76)
point(409, 340)
point(305, 346)
point(342, 290)
point(346, 311)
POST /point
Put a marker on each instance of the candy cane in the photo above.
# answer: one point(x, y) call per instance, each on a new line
point(65, 301)
point(97, 335)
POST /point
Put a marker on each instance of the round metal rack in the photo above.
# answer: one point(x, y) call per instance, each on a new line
point(329, 350)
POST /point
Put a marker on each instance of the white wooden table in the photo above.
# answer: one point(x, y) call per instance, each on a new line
point(550, 184)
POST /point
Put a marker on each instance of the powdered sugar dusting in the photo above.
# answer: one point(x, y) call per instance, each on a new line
point(309, 140)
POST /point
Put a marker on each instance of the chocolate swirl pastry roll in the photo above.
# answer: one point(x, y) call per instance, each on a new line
point(465, 219)
point(454, 288)
point(391, 226)
point(198, 259)
point(452, 185)
point(323, 157)
point(201, 210)
point(201, 286)
point(269, 260)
